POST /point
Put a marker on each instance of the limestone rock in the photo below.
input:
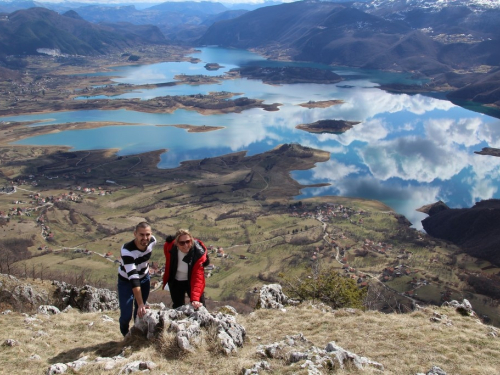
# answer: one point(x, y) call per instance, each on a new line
point(297, 349)
point(344, 356)
point(58, 368)
point(434, 371)
point(78, 364)
point(137, 366)
point(86, 298)
point(272, 297)
point(262, 365)
point(188, 323)
point(48, 310)
point(10, 342)
point(464, 308)
point(20, 296)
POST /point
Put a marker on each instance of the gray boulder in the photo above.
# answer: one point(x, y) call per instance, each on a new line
point(297, 350)
point(20, 296)
point(464, 308)
point(86, 298)
point(48, 310)
point(272, 297)
point(58, 368)
point(188, 324)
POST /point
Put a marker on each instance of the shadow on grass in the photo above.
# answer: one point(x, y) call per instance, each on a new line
point(107, 349)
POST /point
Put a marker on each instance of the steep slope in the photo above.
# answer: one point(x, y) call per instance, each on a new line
point(330, 33)
point(90, 342)
point(476, 230)
point(282, 24)
point(485, 89)
point(27, 30)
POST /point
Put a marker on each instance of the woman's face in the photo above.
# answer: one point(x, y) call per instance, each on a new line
point(184, 243)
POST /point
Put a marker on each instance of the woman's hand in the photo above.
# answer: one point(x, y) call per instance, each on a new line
point(196, 304)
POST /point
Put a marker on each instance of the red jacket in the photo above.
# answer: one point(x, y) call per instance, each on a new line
point(195, 258)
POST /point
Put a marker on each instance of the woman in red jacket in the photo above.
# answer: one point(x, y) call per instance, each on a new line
point(184, 273)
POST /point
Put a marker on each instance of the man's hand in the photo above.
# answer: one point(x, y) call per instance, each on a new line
point(141, 310)
point(196, 304)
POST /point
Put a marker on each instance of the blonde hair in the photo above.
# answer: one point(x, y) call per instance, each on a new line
point(183, 232)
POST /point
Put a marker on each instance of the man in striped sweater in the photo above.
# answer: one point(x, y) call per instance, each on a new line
point(133, 275)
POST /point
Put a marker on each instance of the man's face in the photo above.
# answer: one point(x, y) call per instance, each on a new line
point(142, 237)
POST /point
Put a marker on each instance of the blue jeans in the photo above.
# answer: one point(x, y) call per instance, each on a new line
point(126, 300)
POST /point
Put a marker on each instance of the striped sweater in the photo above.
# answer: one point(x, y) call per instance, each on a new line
point(134, 264)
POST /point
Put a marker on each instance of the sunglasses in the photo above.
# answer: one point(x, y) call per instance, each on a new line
point(182, 243)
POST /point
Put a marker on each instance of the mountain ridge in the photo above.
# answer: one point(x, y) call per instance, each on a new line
point(34, 28)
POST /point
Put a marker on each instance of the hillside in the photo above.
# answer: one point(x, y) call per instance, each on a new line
point(25, 31)
point(401, 36)
point(180, 22)
point(476, 230)
point(90, 342)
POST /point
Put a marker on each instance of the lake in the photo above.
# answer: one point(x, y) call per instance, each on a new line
point(408, 150)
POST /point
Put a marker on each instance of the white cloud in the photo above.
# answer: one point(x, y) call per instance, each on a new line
point(483, 189)
point(368, 131)
point(446, 131)
point(413, 158)
point(490, 132)
point(333, 170)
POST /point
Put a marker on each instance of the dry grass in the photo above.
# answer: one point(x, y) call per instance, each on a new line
point(404, 344)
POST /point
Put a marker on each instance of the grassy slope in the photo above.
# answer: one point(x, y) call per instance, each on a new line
point(224, 207)
point(403, 343)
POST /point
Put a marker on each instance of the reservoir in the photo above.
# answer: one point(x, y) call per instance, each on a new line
point(407, 151)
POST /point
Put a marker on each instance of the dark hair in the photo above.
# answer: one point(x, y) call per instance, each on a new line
point(142, 224)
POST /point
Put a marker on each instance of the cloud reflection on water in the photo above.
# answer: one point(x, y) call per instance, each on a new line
point(408, 150)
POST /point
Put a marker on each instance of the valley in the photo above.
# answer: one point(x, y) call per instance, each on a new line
point(71, 210)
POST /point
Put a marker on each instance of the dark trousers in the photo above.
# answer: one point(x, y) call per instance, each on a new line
point(127, 301)
point(178, 291)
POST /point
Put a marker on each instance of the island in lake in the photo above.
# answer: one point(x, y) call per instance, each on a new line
point(197, 129)
point(321, 103)
point(213, 66)
point(289, 74)
point(328, 126)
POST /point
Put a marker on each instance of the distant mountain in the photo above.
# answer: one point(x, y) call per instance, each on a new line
point(180, 22)
point(227, 15)
point(434, 5)
point(251, 6)
point(25, 31)
point(190, 7)
point(479, 17)
point(329, 33)
point(476, 230)
point(412, 36)
point(9, 7)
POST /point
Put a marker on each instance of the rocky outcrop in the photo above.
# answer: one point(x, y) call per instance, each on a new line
point(86, 298)
point(297, 351)
point(109, 364)
point(272, 297)
point(463, 308)
point(20, 296)
point(188, 324)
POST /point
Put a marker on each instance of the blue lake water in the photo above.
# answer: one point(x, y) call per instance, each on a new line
point(408, 150)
